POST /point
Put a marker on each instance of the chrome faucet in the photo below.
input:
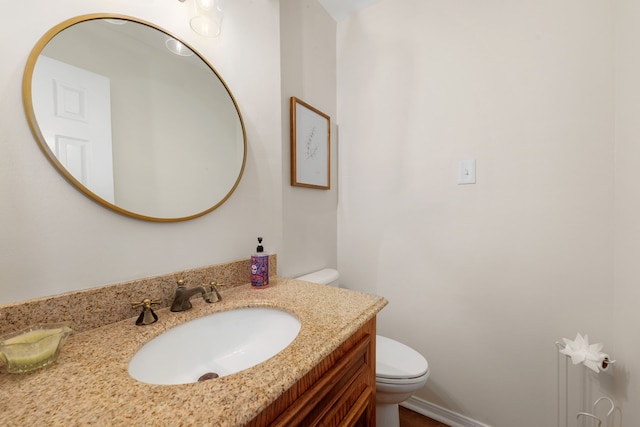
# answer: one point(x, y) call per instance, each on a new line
point(181, 300)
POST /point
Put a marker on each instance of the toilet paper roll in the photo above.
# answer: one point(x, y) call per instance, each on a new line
point(580, 351)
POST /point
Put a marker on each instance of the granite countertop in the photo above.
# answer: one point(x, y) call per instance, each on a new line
point(90, 385)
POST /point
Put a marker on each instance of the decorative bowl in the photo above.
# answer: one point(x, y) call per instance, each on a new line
point(34, 347)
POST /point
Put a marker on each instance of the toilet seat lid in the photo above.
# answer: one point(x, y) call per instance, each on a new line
point(396, 360)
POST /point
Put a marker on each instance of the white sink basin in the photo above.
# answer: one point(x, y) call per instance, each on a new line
point(221, 343)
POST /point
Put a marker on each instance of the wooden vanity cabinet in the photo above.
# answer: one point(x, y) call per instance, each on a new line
point(338, 392)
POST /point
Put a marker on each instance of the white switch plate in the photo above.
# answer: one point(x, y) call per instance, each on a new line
point(467, 171)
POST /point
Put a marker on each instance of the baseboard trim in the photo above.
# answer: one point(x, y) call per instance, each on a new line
point(438, 413)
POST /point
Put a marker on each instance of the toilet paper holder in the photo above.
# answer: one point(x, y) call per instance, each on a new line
point(595, 404)
point(587, 414)
point(603, 364)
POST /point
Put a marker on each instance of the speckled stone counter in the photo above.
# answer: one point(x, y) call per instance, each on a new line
point(90, 385)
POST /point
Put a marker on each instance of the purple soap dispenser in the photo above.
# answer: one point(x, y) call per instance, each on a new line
point(260, 267)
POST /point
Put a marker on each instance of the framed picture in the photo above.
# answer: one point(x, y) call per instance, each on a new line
point(310, 135)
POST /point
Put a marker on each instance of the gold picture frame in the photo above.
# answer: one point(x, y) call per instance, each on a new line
point(310, 146)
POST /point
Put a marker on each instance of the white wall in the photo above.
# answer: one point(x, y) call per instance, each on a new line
point(482, 279)
point(627, 290)
point(308, 58)
point(55, 239)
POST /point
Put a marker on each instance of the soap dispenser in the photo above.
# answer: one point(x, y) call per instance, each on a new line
point(259, 267)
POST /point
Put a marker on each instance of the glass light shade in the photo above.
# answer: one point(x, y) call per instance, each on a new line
point(208, 18)
point(116, 21)
point(177, 48)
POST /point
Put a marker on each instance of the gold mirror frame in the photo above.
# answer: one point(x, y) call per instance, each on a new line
point(50, 155)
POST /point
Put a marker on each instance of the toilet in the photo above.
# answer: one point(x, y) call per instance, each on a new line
point(400, 370)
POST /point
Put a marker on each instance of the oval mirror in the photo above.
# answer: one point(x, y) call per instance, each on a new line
point(134, 118)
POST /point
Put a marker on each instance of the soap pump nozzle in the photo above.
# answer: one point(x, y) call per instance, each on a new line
point(259, 248)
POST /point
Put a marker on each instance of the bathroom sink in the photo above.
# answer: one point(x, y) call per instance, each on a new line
point(214, 346)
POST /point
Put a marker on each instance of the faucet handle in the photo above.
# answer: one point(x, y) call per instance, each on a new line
point(146, 303)
point(181, 283)
point(212, 295)
point(147, 316)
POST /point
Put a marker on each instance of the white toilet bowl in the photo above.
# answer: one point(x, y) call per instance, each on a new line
point(400, 370)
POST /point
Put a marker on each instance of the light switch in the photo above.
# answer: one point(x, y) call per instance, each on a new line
point(467, 171)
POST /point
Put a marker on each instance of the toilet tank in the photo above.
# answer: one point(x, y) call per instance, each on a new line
point(327, 276)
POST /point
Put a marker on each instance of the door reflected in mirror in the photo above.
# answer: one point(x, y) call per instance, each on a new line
point(149, 132)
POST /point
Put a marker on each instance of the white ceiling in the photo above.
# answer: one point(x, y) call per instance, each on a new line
point(340, 9)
